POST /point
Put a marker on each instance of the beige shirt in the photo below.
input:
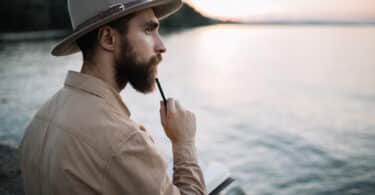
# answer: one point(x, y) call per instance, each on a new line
point(83, 141)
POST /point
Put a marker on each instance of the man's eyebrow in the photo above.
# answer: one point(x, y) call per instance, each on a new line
point(152, 24)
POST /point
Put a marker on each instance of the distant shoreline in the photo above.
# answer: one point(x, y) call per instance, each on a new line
point(312, 23)
point(33, 35)
point(58, 34)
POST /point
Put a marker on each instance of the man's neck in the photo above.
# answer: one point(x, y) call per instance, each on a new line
point(101, 71)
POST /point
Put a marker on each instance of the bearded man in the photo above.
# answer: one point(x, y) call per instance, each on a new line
point(82, 140)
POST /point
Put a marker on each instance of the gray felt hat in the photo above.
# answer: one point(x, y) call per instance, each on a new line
point(87, 15)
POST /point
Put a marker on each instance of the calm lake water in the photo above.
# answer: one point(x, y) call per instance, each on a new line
point(289, 109)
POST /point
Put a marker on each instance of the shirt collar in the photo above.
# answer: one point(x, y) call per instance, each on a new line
point(97, 87)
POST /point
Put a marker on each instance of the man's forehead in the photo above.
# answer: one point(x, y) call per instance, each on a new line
point(146, 15)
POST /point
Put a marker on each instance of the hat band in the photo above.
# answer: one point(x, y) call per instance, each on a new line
point(113, 9)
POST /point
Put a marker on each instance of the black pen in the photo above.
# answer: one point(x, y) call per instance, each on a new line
point(162, 93)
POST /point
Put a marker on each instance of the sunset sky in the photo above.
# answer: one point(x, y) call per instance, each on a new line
point(287, 9)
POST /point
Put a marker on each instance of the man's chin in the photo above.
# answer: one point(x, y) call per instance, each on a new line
point(146, 89)
point(149, 90)
point(146, 84)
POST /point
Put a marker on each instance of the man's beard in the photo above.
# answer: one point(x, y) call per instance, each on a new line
point(141, 75)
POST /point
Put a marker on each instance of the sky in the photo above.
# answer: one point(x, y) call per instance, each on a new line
point(286, 9)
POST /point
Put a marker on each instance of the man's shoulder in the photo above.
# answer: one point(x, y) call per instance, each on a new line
point(88, 118)
point(70, 106)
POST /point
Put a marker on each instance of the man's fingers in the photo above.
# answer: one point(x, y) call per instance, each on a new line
point(162, 108)
point(163, 114)
point(178, 106)
point(171, 107)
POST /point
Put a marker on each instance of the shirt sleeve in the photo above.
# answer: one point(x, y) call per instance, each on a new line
point(139, 169)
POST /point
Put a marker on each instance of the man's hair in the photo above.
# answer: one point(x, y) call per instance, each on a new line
point(88, 42)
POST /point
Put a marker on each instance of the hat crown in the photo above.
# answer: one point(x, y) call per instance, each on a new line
point(87, 15)
point(82, 10)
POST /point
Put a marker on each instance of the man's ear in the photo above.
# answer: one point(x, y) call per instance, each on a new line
point(107, 38)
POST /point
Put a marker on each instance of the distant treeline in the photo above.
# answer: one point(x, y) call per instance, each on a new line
point(34, 15)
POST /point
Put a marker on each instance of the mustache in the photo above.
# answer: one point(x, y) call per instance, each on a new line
point(156, 59)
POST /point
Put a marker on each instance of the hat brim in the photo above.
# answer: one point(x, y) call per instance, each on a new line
point(162, 9)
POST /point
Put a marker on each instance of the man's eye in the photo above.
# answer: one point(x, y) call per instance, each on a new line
point(148, 30)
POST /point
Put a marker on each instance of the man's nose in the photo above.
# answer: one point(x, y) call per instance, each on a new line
point(159, 46)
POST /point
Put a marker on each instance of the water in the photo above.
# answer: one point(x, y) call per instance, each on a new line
point(289, 109)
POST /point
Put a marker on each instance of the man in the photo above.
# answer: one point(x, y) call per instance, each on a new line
point(82, 141)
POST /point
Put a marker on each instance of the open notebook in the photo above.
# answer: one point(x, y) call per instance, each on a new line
point(216, 176)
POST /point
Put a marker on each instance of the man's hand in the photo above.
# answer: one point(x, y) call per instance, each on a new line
point(179, 124)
